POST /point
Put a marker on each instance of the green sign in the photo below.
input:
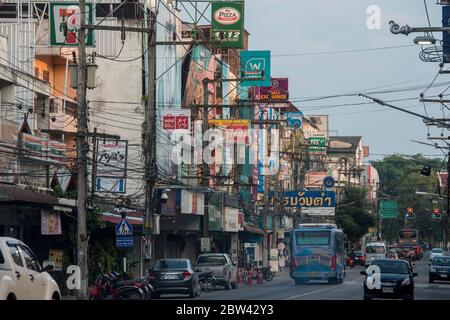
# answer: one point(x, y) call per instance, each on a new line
point(214, 219)
point(68, 14)
point(388, 209)
point(317, 145)
point(227, 28)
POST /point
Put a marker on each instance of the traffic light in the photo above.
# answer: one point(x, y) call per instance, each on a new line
point(436, 214)
point(426, 170)
point(410, 212)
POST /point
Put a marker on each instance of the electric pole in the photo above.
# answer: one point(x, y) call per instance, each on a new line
point(448, 204)
point(150, 133)
point(82, 158)
point(205, 181)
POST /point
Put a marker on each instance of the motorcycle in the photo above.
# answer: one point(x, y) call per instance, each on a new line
point(267, 273)
point(141, 283)
point(207, 281)
point(107, 287)
point(349, 261)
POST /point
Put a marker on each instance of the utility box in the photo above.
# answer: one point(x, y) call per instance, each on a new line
point(91, 70)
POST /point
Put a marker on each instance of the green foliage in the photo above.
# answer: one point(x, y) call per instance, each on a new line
point(400, 178)
point(352, 213)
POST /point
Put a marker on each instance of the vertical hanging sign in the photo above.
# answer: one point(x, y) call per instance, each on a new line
point(68, 14)
point(227, 28)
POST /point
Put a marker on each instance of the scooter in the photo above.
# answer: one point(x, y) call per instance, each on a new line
point(349, 261)
point(267, 273)
point(108, 288)
point(207, 281)
point(141, 283)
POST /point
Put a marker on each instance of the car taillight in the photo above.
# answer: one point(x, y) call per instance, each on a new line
point(186, 275)
point(153, 275)
point(333, 262)
point(293, 262)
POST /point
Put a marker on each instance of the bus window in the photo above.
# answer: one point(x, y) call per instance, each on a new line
point(312, 238)
point(375, 249)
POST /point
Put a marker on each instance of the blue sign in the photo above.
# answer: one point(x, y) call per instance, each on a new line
point(446, 34)
point(255, 65)
point(124, 241)
point(124, 234)
point(307, 199)
point(328, 182)
point(294, 119)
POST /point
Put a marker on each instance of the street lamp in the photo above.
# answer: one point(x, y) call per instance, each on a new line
point(424, 40)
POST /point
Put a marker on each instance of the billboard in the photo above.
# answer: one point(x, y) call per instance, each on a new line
point(69, 13)
point(294, 119)
point(314, 179)
point(317, 143)
point(446, 34)
point(227, 24)
point(321, 122)
point(111, 165)
point(277, 91)
point(37, 148)
point(307, 199)
point(255, 65)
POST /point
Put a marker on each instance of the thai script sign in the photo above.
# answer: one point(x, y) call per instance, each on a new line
point(306, 199)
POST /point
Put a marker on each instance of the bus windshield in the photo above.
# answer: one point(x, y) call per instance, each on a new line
point(408, 234)
point(375, 249)
point(312, 238)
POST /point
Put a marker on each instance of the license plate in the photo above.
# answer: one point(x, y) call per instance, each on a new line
point(170, 276)
point(388, 290)
point(443, 276)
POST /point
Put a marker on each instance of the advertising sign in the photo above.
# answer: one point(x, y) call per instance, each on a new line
point(314, 179)
point(388, 209)
point(294, 119)
point(231, 220)
point(205, 244)
point(176, 119)
point(50, 223)
point(192, 202)
point(446, 34)
point(214, 219)
point(69, 12)
point(317, 211)
point(227, 27)
point(277, 91)
point(306, 199)
point(37, 148)
point(317, 144)
point(111, 165)
point(255, 65)
point(57, 257)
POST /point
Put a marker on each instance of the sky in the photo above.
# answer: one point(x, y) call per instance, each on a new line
point(299, 27)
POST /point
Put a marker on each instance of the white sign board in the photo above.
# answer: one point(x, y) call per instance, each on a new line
point(111, 165)
point(205, 244)
point(231, 220)
point(319, 211)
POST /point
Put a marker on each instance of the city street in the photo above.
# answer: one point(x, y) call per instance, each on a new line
point(283, 288)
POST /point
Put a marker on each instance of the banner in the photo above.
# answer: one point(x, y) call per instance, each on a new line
point(176, 119)
point(50, 223)
point(231, 219)
point(277, 91)
point(69, 13)
point(227, 27)
point(111, 165)
point(255, 65)
point(57, 257)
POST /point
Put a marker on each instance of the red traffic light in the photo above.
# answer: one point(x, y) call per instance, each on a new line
point(436, 211)
point(410, 210)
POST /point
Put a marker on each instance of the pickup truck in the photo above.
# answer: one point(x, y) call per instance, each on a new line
point(223, 268)
point(21, 275)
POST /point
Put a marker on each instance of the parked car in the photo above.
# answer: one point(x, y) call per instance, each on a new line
point(439, 269)
point(436, 252)
point(174, 276)
point(223, 268)
point(21, 275)
point(396, 280)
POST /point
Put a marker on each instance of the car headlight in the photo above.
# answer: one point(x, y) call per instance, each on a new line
point(406, 282)
point(432, 270)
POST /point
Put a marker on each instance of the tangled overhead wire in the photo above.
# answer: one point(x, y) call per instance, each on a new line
point(432, 53)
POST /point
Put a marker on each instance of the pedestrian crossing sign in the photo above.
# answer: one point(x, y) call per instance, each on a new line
point(124, 228)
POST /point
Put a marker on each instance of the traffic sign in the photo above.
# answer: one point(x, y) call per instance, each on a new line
point(328, 182)
point(124, 241)
point(388, 209)
point(281, 246)
point(123, 228)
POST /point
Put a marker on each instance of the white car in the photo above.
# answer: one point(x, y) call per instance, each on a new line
point(21, 275)
point(436, 252)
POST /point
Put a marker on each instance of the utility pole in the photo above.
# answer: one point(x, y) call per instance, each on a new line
point(82, 158)
point(448, 204)
point(266, 244)
point(205, 180)
point(94, 165)
point(150, 134)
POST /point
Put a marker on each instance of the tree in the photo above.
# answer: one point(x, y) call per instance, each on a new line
point(352, 213)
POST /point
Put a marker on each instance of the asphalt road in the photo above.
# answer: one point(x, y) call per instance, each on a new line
point(283, 288)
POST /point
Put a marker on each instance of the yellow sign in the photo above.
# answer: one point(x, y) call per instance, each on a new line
point(229, 123)
point(57, 257)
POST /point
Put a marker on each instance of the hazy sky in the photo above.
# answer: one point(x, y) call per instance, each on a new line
point(300, 26)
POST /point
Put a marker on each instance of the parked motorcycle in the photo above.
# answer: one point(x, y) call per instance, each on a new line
point(267, 273)
point(207, 281)
point(107, 287)
point(141, 283)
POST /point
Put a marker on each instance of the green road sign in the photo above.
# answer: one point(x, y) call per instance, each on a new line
point(227, 30)
point(317, 145)
point(388, 209)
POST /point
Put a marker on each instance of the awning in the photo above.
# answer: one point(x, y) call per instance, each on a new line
point(135, 218)
point(9, 193)
point(252, 229)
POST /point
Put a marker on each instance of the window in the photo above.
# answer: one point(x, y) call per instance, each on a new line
point(441, 262)
point(219, 260)
point(2, 259)
point(313, 238)
point(375, 249)
point(53, 108)
point(392, 267)
point(170, 264)
point(45, 75)
point(15, 254)
point(36, 72)
point(30, 259)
